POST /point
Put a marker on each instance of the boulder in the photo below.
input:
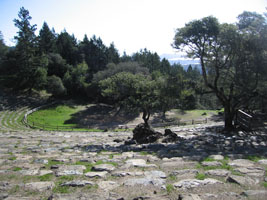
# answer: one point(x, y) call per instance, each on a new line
point(170, 136)
point(144, 134)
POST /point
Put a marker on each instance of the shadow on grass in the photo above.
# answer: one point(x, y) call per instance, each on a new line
point(101, 116)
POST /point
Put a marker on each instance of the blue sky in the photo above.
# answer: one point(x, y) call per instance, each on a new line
point(130, 24)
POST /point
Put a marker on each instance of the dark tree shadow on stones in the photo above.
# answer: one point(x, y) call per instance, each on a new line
point(210, 141)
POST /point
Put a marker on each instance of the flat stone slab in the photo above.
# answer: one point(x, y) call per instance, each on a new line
point(158, 182)
point(29, 172)
point(108, 185)
point(263, 162)
point(189, 197)
point(104, 167)
point(255, 194)
point(241, 163)
point(44, 172)
point(41, 161)
point(251, 171)
point(217, 157)
point(40, 186)
point(193, 183)
point(178, 164)
point(218, 172)
point(78, 183)
point(185, 172)
point(96, 174)
point(241, 180)
point(138, 163)
point(64, 170)
point(124, 173)
point(155, 174)
point(211, 164)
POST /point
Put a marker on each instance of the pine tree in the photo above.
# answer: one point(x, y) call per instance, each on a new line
point(47, 40)
point(30, 68)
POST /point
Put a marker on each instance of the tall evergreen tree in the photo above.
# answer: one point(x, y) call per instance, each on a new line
point(113, 54)
point(67, 47)
point(30, 68)
point(47, 40)
point(3, 49)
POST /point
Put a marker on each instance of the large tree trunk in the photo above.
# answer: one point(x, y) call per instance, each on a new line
point(228, 118)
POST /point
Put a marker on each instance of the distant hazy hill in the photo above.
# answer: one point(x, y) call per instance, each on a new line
point(185, 62)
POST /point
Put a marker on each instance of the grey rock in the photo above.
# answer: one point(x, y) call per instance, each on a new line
point(255, 194)
point(251, 171)
point(29, 172)
point(211, 164)
point(136, 162)
point(41, 161)
point(187, 172)
point(96, 174)
point(178, 164)
point(173, 159)
point(263, 162)
point(192, 183)
point(3, 196)
point(63, 160)
point(151, 158)
point(189, 197)
point(217, 157)
point(40, 186)
point(158, 182)
point(44, 172)
point(128, 154)
point(123, 174)
point(155, 174)
point(2, 161)
point(218, 172)
point(70, 170)
point(108, 185)
point(241, 180)
point(78, 183)
point(241, 163)
point(104, 167)
point(90, 160)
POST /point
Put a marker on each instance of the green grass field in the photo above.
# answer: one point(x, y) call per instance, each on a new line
point(56, 117)
point(61, 117)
